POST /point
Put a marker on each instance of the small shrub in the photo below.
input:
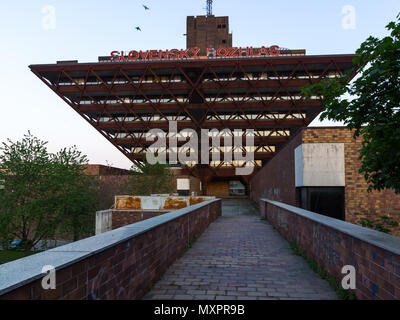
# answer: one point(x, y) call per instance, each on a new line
point(384, 224)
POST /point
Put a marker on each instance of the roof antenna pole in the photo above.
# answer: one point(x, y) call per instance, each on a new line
point(209, 7)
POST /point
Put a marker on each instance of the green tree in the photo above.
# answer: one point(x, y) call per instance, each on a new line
point(146, 179)
point(27, 202)
point(370, 105)
point(77, 197)
point(42, 192)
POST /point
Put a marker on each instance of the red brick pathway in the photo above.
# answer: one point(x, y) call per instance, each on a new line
point(240, 256)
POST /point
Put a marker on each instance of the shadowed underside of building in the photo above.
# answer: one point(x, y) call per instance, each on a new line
point(125, 100)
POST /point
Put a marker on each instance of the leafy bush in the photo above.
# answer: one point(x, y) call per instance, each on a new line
point(383, 224)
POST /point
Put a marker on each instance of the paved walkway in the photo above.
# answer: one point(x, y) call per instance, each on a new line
point(240, 256)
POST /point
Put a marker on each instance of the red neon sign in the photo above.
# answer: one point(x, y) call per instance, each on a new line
point(193, 53)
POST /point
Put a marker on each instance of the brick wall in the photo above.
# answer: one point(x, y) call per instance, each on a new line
point(101, 170)
point(120, 264)
point(358, 202)
point(194, 182)
point(195, 186)
point(333, 244)
point(276, 180)
point(110, 186)
point(218, 188)
point(203, 32)
point(124, 218)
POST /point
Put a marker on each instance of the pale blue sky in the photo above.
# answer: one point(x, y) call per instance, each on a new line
point(87, 29)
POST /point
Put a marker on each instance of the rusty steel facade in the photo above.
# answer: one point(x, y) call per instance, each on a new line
point(124, 100)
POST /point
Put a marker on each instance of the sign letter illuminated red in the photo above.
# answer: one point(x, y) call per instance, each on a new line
point(224, 53)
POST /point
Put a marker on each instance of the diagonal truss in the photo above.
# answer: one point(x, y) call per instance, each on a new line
point(262, 94)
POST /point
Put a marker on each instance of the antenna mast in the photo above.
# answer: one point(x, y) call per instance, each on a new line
point(209, 7)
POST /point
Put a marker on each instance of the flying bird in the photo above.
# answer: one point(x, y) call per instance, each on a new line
point(146, 7)
point(138, 29)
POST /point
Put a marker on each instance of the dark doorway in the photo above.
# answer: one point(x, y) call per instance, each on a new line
point(183, 193)
point(236, 188)
point(328, 201)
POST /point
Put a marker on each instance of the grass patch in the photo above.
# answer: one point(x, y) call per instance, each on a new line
point(11, 255)
point(173, 284)
point(192, 240)
point(333, 282)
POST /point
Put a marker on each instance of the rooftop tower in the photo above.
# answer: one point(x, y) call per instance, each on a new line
point(208, 32)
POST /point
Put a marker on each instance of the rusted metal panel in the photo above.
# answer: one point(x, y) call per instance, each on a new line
point(175, 203)
point(196, 200)
point(156, 202)
point(128, 203)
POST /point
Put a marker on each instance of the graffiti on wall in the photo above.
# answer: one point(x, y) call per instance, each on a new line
point(324, 245)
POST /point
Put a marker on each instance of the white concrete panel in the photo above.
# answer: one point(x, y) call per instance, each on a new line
point(103, 221)
point(298, 163)
point(183, 184)
point(320, 165)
